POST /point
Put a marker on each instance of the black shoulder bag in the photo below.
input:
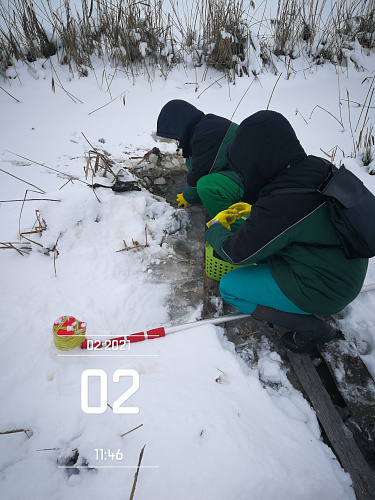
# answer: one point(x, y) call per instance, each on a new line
point(351, 208)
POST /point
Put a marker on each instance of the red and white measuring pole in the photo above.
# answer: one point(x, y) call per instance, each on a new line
point(161, 331)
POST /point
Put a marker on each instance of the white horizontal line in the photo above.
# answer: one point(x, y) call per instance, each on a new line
point(108, 355)
point(108, 466)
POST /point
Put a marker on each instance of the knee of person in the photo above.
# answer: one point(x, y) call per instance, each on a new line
point(204, 186)
point(223, 287)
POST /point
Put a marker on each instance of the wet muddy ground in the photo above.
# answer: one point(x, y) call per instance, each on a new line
point(165, 177)
point(192, 291)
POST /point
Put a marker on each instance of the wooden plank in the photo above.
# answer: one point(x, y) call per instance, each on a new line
point(338, 434)
point(355, 384)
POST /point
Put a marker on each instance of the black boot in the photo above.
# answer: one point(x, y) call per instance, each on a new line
point(306, 332)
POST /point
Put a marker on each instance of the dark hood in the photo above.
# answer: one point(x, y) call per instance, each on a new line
point(264, 144)
point(176, 121)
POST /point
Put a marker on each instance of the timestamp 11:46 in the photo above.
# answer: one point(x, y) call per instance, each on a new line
point(101, 454)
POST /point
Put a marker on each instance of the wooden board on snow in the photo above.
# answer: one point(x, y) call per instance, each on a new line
point(340, 437)
point(354, 383)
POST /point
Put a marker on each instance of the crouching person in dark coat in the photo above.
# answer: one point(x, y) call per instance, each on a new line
point(301, 271)
point(203, 139)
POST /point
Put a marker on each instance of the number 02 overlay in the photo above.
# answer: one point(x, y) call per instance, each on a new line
point(117, 408)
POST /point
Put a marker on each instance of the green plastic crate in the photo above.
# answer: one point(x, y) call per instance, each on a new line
point(217, 268)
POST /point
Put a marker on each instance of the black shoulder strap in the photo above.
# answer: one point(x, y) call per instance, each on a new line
point(332, 171)
point(294, 191)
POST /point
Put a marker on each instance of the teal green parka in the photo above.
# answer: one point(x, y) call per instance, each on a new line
point(292, 232)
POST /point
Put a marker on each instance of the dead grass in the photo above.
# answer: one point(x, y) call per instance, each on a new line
point(98, 162)
point(136, 246)
point(141, 38)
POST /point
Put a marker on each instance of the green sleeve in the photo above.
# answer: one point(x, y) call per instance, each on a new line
point(191, 195)
point(315, 229)
point(216, 234)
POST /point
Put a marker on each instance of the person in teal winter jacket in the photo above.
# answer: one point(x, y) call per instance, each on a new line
point(301, 271)
point(203, 139)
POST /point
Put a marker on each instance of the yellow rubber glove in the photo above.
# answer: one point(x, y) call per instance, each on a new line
point(226, 217)
point(181, 200)
point(241, 209)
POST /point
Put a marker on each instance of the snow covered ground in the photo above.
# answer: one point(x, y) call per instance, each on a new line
point(210, 429)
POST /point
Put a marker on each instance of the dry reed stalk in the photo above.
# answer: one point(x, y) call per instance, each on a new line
point(136, 245)
point(332, 153)
point(350, 119)
point(216, 81)
point(367, 107)
point(28, 199)
point(138, 37)
point(128, 432)
point(248, 332)
point(71, 96)
point(101, 161)
point(298, 112)
point(92, 147)
point(50, 168)
point(366, 141)
point(22, 235)
point(116, 32)
point(15, 431)
point(136, 474)
point(333, 116)
point(19, 218)
point(18, 178)
point(21, 251)
point(110, 102)
point(10, 95)
point(54, 254)
point(65, 183)
point(37, 229)
point(89, 166)
point(273, 90)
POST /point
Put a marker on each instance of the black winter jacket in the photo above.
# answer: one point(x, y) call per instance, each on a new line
point(201, 138)
point(291, 231)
